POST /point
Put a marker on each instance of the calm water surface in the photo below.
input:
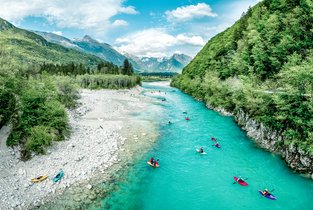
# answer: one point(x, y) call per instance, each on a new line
point(188, 180)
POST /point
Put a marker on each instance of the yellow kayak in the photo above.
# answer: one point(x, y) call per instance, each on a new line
point(39, 178)
point(150, 164)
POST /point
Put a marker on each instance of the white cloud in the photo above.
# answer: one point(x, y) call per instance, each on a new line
point(193, 40)
point(82, 14)
point(58, 33)
point(128, 10)
point(118, 23)
point(190, 12)
point(155, 42)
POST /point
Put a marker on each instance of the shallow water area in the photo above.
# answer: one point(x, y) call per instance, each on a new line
point(189, 180)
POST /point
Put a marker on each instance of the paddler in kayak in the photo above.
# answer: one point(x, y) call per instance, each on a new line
point(217, 145)
point(201, 150)
point(151, 160)
point(240, 179)
point(265, 192)
point(155, 162)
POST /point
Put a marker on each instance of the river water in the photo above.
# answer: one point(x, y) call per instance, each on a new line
point(189, 180)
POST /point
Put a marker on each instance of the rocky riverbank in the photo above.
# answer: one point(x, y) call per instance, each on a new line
point(296, 158)
point(273, 141)
point(103, 131)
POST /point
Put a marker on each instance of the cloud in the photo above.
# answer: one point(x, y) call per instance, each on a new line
point(186, 13)
point(57, 33)
point(118, 23)
point(155, 42)
point(128, 10)
point(82, 14)
point(193, 40)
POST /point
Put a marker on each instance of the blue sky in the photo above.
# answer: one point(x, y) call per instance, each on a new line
point(141, 27)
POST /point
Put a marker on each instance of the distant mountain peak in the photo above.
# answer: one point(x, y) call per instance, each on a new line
point(4, 25)
point(88, 38)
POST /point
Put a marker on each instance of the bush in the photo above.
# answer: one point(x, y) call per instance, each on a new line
point(40, 137)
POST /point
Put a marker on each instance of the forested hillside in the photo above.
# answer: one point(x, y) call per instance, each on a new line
point(263, 66)
point(25, 47)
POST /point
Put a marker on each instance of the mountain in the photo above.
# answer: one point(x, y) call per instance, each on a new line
point(20, 46)
point(105, 51)
point(175, 63)
point(88, 45)
point(260, 69)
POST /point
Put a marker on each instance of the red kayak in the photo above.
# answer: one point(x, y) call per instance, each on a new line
point(243, 183)
point(187, 118)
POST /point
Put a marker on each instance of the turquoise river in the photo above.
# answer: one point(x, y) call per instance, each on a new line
point(191, 181)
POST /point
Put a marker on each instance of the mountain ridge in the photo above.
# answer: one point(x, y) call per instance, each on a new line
point(25, 47)
point(87, 44)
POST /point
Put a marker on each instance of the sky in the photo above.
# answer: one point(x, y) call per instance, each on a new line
point(153, 28)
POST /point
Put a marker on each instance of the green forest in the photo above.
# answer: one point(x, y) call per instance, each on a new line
point(40, 80)
point(263, 66)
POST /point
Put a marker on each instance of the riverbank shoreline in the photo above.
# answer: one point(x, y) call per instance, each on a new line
point(296, 158)
point(102, 129)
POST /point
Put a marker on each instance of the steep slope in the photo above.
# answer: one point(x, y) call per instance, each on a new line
point(91, 46)
point(261, 69)
point(25, 47)
point(102, 50)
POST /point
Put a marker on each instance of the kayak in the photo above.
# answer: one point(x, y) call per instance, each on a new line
point(58, 177)
point(187, 118)
point(243, 183)
point(217, 145)
point(150, 164)
point(203, 153)
point(39, 179)
point(269, 196)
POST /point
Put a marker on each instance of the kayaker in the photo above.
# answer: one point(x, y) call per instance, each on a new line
point(169, 122)
point(217, 145)
point(201, 150)
point(240, 179)
point(151, 160)
point(154, 162)
point(265, 192)
point(213, 139)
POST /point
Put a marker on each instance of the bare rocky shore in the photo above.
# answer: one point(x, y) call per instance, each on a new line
point(102, 129)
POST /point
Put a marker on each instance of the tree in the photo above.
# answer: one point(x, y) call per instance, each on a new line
point(127, 68)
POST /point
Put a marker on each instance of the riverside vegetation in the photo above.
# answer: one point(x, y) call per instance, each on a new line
point(39, 80)
point(261, 65)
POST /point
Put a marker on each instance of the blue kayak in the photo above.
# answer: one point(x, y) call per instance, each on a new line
point(269, 196)
point(59, 176)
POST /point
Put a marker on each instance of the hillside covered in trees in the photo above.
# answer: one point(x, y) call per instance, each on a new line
point(263, 66)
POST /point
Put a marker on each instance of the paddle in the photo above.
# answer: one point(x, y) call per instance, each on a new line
point(242, 179)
